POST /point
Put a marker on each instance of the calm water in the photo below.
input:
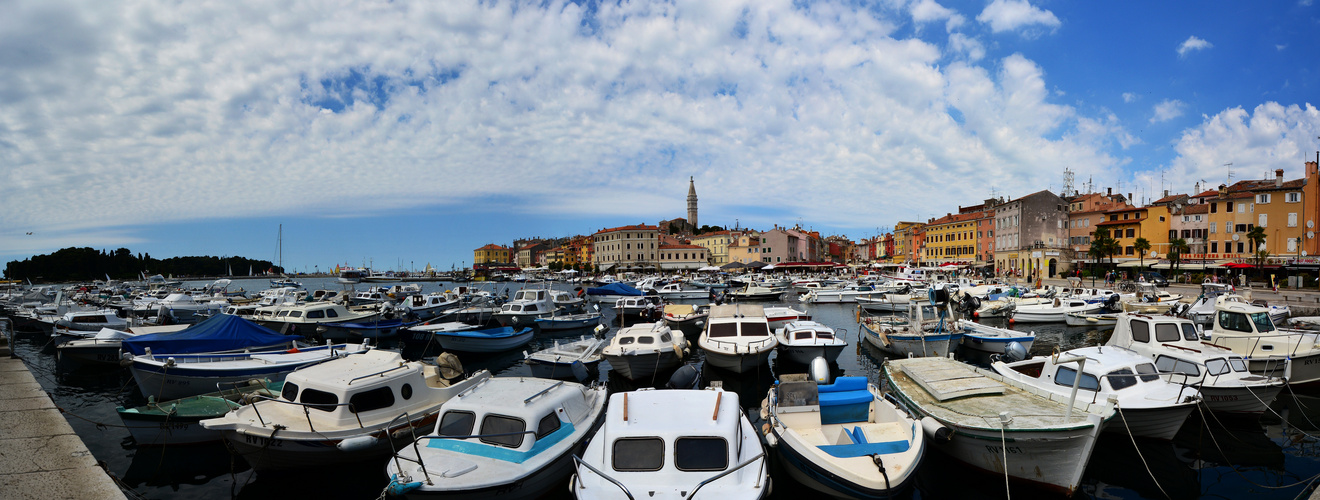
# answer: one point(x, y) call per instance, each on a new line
point(1270, 458)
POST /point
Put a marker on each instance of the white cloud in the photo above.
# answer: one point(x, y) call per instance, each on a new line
point(1192, 43)
point(926, 11)
point(1280, 47)
point(1167, 110)
point(1009, 15)
point(1256, 142)
point(175, 112)
point(1130, 97)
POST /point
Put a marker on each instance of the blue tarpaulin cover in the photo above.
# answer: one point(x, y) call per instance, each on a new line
point(614, 289)
point(222, 332)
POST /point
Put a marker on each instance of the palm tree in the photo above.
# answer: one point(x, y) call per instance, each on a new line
point(1141, 246)
point(1256, 236)
point(1103, 246)
point(1177, 247)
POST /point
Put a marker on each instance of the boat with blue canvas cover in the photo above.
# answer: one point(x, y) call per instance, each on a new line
point(499, 339)
point(506, 438)
point(219, 333)
point(612, 292)
point(843, 439)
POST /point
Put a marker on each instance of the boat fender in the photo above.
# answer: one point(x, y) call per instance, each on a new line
point(820, 370)
point(935, 430)
point(126, 360)
point(356, 444)
point(399, 487)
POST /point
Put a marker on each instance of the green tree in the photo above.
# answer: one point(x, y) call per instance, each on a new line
point(1102, 245)
point(1141, 246)
point(1256, 236)
point(1177, 247)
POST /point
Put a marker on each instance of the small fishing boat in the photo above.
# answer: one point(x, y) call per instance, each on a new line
point(357, 330)
point(842, 294)
point(1148, 405)
point(842, 439)
point(1000, 425)
point(778, 316)
point(754, 292)
point(641, 351)
point(803, 341)
point(1247, 329)
point(176, 421)
point(504, 338)
point(737, 338)
point(426, 332)
point(675, 291)
point(569, 321)
point(1053, 311)
point(928, 330)
point(345, 410)
point(1090, 319)
point(174, 376)
point(673, 444)
point(991, 339)
point(645, 307)
point(103, 348)
point(686, 316)
point(506, 438)
point(558, 360)
point(526, 306)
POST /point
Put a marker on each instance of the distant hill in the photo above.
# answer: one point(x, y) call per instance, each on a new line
point(87, 264)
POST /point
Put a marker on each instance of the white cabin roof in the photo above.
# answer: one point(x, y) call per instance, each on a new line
point(672, 413)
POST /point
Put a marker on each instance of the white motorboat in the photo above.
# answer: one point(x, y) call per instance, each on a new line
point(1053, 311)
point(832, 437)
point(426, 307)
point(778, 316)
point(174, 376)
point(672, 445)
point(186, 309)
point(928, 330)
point(737, 338)
point(344, 410)
point(1179, 354)
point(312, 318)
point(843, 294)
point(755, 292)
point(641, 351)
point(558, 360)
point(999, 425)
point(803, 341)
point(569, 321)
point(992, 339)
point(506, 438)
point(887, 302)
point(1247, 329)
point(527, 305)
point(646, 307)
point(1148, 405)
point(675, 291)
point(87, 323)
point(681, 316)
point(1202, 310)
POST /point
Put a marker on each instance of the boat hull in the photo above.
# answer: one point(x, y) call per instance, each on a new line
point(738, 363)
point(1156, 423)
point(1241, 400)
point(472, 344)
point(274, 452)
point(935, 345)
point(168, 432)
point(818, 478)
point(994, 345)
point(804, 354)
point(644, 366)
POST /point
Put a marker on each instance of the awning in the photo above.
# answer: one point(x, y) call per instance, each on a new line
point(1130, 263)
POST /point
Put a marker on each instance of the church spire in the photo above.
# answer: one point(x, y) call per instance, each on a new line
point(692, 203)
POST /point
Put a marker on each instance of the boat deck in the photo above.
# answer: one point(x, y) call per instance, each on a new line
point(973, 399)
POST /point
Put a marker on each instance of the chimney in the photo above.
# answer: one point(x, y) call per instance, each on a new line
point(1111, 192)
point(1278, 177)
point(1166, 193)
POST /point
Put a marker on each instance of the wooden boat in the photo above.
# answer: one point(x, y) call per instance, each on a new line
point(346, 410)
point(507, 438)
point(832, 437)
point(673, 444)
point(999, 425)
point(928, 330)
point(504, 338)
point(176, 421)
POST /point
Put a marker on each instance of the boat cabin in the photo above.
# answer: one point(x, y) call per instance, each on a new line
point(379, 384)
point(670, 436)
point(737, 321)
point(1107, 370)
point(1175, 345)
point(507, 423)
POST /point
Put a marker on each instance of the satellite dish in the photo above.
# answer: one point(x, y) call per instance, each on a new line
point(1236, 236)
point(1303, 253)
point(1154, 253)
point(1310, 234)
point(1310, 224)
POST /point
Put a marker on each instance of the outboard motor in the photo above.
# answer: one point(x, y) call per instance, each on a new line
point(685, 377)
point(1014, 352)
point(820, 370)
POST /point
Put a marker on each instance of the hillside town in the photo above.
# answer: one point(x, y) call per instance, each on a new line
point(1267, 223)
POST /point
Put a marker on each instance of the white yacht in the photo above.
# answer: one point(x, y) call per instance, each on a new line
point(737, 337)
point(527, 305)
point(1247, 329)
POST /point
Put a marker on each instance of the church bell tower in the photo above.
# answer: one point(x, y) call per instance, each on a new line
point(692, 203)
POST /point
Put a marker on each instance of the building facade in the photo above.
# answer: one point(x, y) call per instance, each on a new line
point(626, 248)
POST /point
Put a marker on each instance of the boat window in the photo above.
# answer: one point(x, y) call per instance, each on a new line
point(375, 399)
point(289, 392)
point(755, 330)
point(330, 313)
point(1166, 332)
point(406, 391)
point(1189, 332)
point(1237, 364)
point(1170, 364)
point(499, 424)
point(282, 314)
point(645, 340)
point(639, 454)
point(825, 335)
point(701, 454)
point(1147, 372)
point(529, 308)
point(315, 314)
point(626, 340)
point(1263, 322)
point(1216, 366)
point(457, 423)
point(803, 335)
point(666, 337)
point(1065, 376)
point(295, 314)
point(319, 399)
point(1140, 331)
point(1234, 321)
point(548, 425)
point(1121, 379)
point(723, 330)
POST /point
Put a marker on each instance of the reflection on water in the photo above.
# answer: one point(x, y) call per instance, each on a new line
point(1208, 458)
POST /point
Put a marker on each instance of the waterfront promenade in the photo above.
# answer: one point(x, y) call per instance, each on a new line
point(40, 456)
point(1303, 302)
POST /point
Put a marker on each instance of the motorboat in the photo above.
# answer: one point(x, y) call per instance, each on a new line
point(1053, 311)
point(1202, 310)
point(611, 292)
point(1175, 346)
point(102, 348)
point(344, 410)
point(313, 318)
point(177, 421)
point(569, 321)
point(1148, 405)
point(643, 350)
point(527, 305)
point(559, 360)
point(429, 306)
point(987, 339)
point(89, 322)
point(181, 308)
point(844, 439)
point(426, 332)
point(673, 444)
point(686, 316)
point(755, 292)
point(778, 316)
point(737, 337)
point(1000, 425)
point(506, 437)
point(1090, 319)
point(802, 341)
point(929, 329)
point(174, 376)
point(498, 339)
point(675, 291)
point(1247, 330)
point(887, 302)
point(646, 307)
point(843, 294)
point(571, 303)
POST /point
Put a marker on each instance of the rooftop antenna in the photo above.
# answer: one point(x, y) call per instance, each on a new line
point(1229, 166)
point(1068, 189)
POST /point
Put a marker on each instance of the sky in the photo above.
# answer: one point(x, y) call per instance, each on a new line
point(399, 134)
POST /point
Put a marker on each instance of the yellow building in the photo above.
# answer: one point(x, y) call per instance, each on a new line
point(1279, 210)
point(490, 253)
point(953, 239)
point(717, 243)
point(744, 249)
point(905, 242)
point(1127, 224)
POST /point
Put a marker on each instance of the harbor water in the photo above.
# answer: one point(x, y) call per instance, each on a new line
point(1276, 456)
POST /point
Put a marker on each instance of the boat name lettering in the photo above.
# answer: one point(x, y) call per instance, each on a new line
point(263, 441)
point(183, 426)
point(1311, 361)
point(1012, 450)
point(1222, 398)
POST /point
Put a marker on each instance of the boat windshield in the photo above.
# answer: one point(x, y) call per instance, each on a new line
point(1189, 331)
point(701, 454)
point(1262, 321)
point(1238, 364)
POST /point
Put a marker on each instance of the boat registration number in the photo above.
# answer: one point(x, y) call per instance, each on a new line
point(1012, 450)
point(264, 442)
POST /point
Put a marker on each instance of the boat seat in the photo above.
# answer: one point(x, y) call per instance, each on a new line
point(861, 448)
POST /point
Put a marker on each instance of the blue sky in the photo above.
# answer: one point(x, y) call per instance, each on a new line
point(406, 133)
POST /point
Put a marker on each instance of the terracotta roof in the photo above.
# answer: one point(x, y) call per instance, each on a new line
point(1199, 208)
point(1169, 198)
point(1119, 222)
point(493, 246)
point(638, 227)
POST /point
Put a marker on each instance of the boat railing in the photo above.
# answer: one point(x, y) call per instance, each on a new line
point(750, 345)
point(412, 429)
point(369, 375)
point(757, 458)
point(603, 475)
point(1257, 338)
point(307, 410)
